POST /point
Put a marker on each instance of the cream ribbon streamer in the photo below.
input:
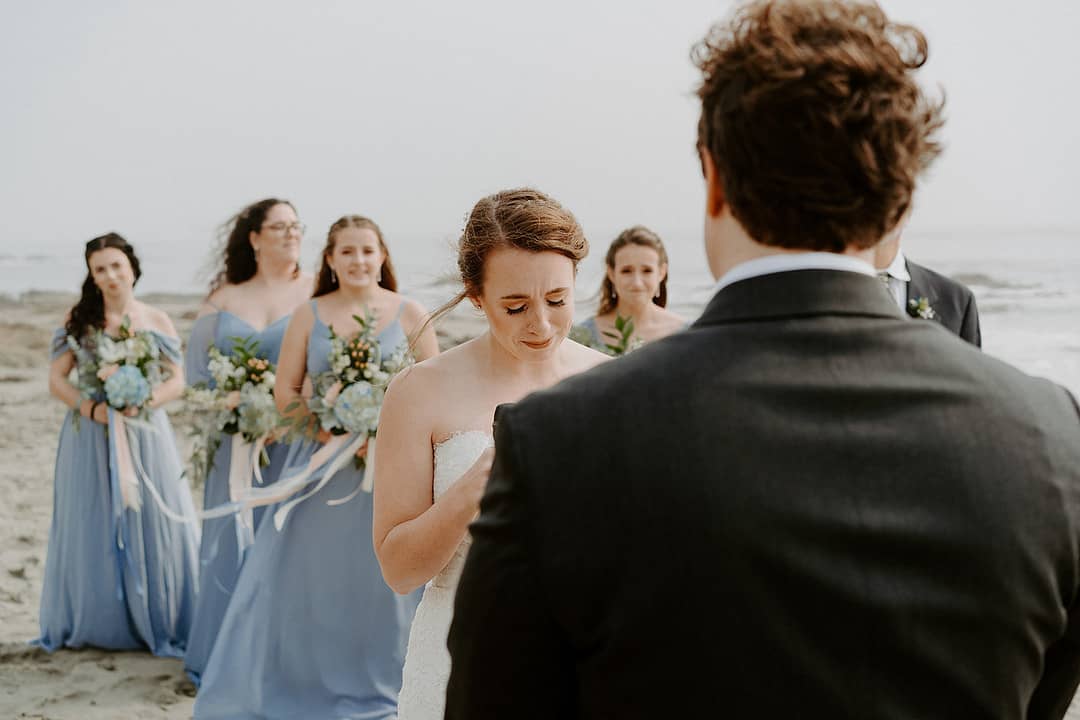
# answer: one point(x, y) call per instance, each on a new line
point(332, 456)
point(243, 459)
point(127, 479)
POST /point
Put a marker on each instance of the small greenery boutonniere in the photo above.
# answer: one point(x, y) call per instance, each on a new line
point(920, 308)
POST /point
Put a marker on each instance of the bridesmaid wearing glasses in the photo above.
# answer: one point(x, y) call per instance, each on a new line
point(258, 286)
point(312, 630)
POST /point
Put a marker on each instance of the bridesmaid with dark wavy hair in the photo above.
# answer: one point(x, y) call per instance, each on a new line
point(116, 577)
point(252, 297)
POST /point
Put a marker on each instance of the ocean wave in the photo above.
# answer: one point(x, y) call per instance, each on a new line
point(992, 283)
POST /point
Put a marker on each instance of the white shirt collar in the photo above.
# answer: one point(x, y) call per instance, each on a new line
point(898, 268)
point(786, 262)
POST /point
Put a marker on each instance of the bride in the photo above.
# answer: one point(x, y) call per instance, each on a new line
point(518, 258)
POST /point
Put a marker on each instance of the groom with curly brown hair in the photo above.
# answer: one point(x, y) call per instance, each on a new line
point(825, 509)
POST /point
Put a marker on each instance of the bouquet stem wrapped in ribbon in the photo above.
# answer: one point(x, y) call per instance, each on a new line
point(241, 405)
point(346, 402)
point(124, 370)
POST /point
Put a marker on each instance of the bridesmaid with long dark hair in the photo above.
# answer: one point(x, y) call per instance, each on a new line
point(312, 630)
point(116, 577)
point(258, 286)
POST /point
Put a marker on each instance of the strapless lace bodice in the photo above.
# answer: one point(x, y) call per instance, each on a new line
point(427, 662)
point(453, 457)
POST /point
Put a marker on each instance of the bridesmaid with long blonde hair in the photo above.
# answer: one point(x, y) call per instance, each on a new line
point(312, 629)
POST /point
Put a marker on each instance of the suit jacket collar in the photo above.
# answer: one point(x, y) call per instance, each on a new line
point(800, 293)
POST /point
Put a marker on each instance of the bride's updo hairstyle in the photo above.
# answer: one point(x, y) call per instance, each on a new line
point(88, 314)
point(326, 281)
point(522, 218)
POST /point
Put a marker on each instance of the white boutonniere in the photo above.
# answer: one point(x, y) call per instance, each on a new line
point(920, 308)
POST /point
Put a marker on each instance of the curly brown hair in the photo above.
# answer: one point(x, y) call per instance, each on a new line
point(238, 263)
point(814, 122)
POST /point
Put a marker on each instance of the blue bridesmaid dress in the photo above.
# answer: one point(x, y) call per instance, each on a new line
point(117, 578)
point(221, 552)
point(312, 631)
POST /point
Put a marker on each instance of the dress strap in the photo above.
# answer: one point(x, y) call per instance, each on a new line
point(400, 309)
point(315, 310)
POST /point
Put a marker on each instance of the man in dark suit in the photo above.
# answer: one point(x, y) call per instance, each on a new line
point(806, 505)
point(925, 294)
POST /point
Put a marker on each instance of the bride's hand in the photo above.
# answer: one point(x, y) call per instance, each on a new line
point(475, 479)
point(323, 436)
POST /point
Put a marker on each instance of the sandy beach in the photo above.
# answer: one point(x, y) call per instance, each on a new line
point(84, 684)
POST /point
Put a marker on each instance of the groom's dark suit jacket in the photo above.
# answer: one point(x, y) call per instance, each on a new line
point(805, 505)
point(953, 303)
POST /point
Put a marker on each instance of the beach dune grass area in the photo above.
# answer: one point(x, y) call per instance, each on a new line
point(85, 684)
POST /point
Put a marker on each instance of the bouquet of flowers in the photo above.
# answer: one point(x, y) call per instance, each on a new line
point(122, 369)
point(241, 401)
point(347, 397)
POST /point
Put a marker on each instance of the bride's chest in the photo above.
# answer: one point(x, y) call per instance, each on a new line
point(455, 455)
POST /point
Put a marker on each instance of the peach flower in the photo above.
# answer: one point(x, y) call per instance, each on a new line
point(232, 400)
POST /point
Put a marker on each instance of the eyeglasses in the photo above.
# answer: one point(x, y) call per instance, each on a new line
point(281, 228)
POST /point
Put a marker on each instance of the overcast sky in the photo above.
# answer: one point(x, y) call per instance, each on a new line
point(160, 119)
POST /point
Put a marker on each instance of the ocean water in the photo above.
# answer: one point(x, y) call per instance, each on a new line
point(1027, 283)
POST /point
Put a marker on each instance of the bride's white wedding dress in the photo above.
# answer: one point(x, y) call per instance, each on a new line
point(427, 661)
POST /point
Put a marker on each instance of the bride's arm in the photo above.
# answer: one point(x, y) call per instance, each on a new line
point(415, 538)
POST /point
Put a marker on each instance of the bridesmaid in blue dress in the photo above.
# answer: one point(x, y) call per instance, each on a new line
point(116, 577)
point(251, 298)
point(634, 287)
point(312, 629)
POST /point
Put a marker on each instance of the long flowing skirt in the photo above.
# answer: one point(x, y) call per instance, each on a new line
point(118, 578)
point(221, 555)
point(312, 629)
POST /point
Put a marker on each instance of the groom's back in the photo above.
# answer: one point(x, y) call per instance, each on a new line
point(837, 516)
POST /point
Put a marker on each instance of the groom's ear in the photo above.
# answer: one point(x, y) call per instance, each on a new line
point(715, 199)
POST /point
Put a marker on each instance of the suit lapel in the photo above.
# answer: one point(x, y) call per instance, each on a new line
point(920, 285)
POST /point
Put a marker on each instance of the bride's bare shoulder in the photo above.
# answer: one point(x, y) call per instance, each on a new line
point(433, 377)
point(580, 358)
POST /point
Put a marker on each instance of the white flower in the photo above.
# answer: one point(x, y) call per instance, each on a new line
point(108, 351)
point(221, 368)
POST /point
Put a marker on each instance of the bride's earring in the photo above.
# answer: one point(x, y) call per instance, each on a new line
point(333, 275)
point(378, 277)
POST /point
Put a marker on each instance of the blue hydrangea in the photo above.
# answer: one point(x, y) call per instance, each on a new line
point(357, 408)
point(127, 388)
